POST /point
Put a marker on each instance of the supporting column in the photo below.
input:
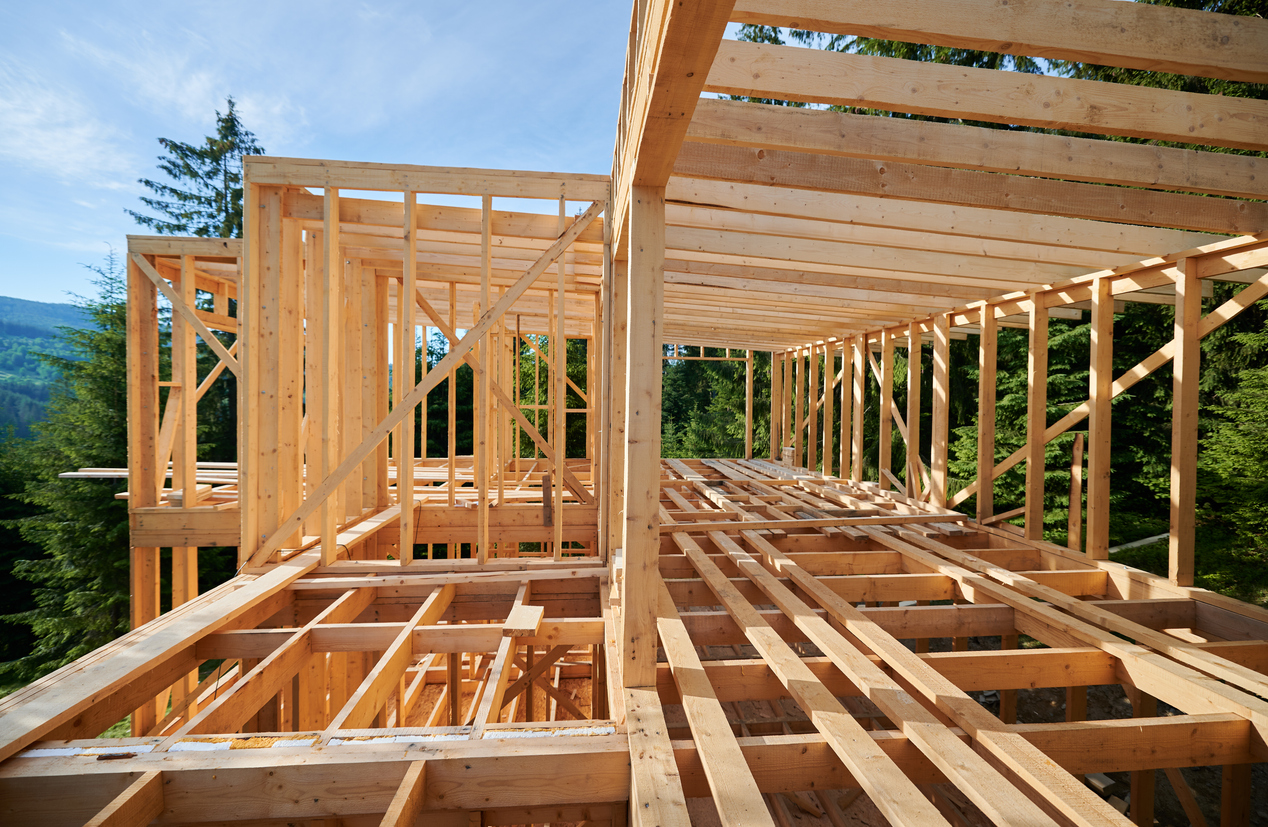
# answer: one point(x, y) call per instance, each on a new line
point(559, 395)
point(1184, 424)
point(829, 362)
point(884, 455)
point(913, 411)
point(642, 434)
point(812, 399)
point(846, 396)
point(331, 363)
point(144, 475)
point(185, 452)
point(1100, 383)
point(404, 379)
point(748, 405)
point(776, 401)
point(617, 367)
point(856, 438)
point(799, 407)
point(482, 417)
point(1036, 416)
point(986, 362)
point(938, 438)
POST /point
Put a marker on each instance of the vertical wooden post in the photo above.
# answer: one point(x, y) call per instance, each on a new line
point(787, 413)
point(642, 434)
point(617, 368)
point(748, 405)
point(1036, 416)
point(1184, 424)
point(776, 403)
point(885, 455)
point(829, 362)
point(482, 417)
point(812, 402)
point(799, 407)
point(144, 475)
point(404, 378)
point(846, 395)
point(559, 352)
point(331, 357)
point(938, 438)
point(1143, 782)
point(856, 438)
point(1235, 795)
point(1074, 519)
point(454, 548)
point(248, 361)
point(380, 403)
point(986, 365)
point(1100, 382)
point(350, 431)
point(185, 451)
point(913, 411)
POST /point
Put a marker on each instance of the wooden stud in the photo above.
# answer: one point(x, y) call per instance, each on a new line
point(1036, 417)
point(1100, 380)
point(885, 453)
point(1184, 425)
point(986, 365)
point(914, 465)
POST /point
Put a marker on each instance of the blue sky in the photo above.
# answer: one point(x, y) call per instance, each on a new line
point(87, 88)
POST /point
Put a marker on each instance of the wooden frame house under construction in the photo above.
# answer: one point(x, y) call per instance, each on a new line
point(558, 626)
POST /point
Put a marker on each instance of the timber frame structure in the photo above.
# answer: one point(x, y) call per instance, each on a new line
point(562, 627)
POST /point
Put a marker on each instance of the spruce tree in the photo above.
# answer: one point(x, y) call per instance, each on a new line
point(205, 198)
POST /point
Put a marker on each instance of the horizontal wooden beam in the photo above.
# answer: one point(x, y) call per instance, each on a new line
point(1066, 157)
point(938, 90)
point(307, 172)
point(913, 182)
point(1104, 32)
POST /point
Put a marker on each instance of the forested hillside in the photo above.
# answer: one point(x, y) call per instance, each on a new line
point(28, 329)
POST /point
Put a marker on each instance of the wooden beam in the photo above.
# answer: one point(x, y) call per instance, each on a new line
point(1137, 36)
point(655, 788)
point(642, 434)
point(939, 438)
point(904, 141)
point(407, 804)
point(788, 73)
point(986, 366)
point(1036, 419)
point(140, 803)
point(1100, 381)
point(968, 188)
point(735, 792)
point(1184, 425)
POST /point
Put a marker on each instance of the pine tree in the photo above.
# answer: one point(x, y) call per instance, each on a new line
point(81, 580)
point(211, 206)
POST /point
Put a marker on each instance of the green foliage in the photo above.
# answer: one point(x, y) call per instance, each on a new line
point(81, 579)
point(702, 408)
point(205, 196)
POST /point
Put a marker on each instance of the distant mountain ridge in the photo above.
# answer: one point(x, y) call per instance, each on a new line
point(28, 328)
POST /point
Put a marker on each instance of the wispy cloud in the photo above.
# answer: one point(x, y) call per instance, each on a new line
point(48, 127)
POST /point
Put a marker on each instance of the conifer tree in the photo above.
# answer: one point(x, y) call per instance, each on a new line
point(205, 198)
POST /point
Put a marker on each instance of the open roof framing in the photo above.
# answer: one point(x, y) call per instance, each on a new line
point(563, 627)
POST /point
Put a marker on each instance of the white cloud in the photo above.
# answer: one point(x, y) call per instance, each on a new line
point(50, 128)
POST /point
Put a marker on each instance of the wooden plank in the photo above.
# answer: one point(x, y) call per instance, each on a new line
point(939, 436)
point(1036, 419)
point(483, 424)
point(458, 351)
point(962, 188)
point(748, 405)
point(1152, 38)
point(364, 705)
point(986, 366)
point(655, 787)
point(642, 434)
point(900, 140)
point(915, 467)
point(890, 790)
point(1074, 518)
point(306, 172)
point(1184, 425)
point(140, 803)
point(787, 73)
point(1100, 377)
point(885, 454)
point(407, 804)
point(794, 523)
point(856, 438)
point(735, 792)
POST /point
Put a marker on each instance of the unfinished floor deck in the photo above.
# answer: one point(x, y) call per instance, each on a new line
point(513, 610)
